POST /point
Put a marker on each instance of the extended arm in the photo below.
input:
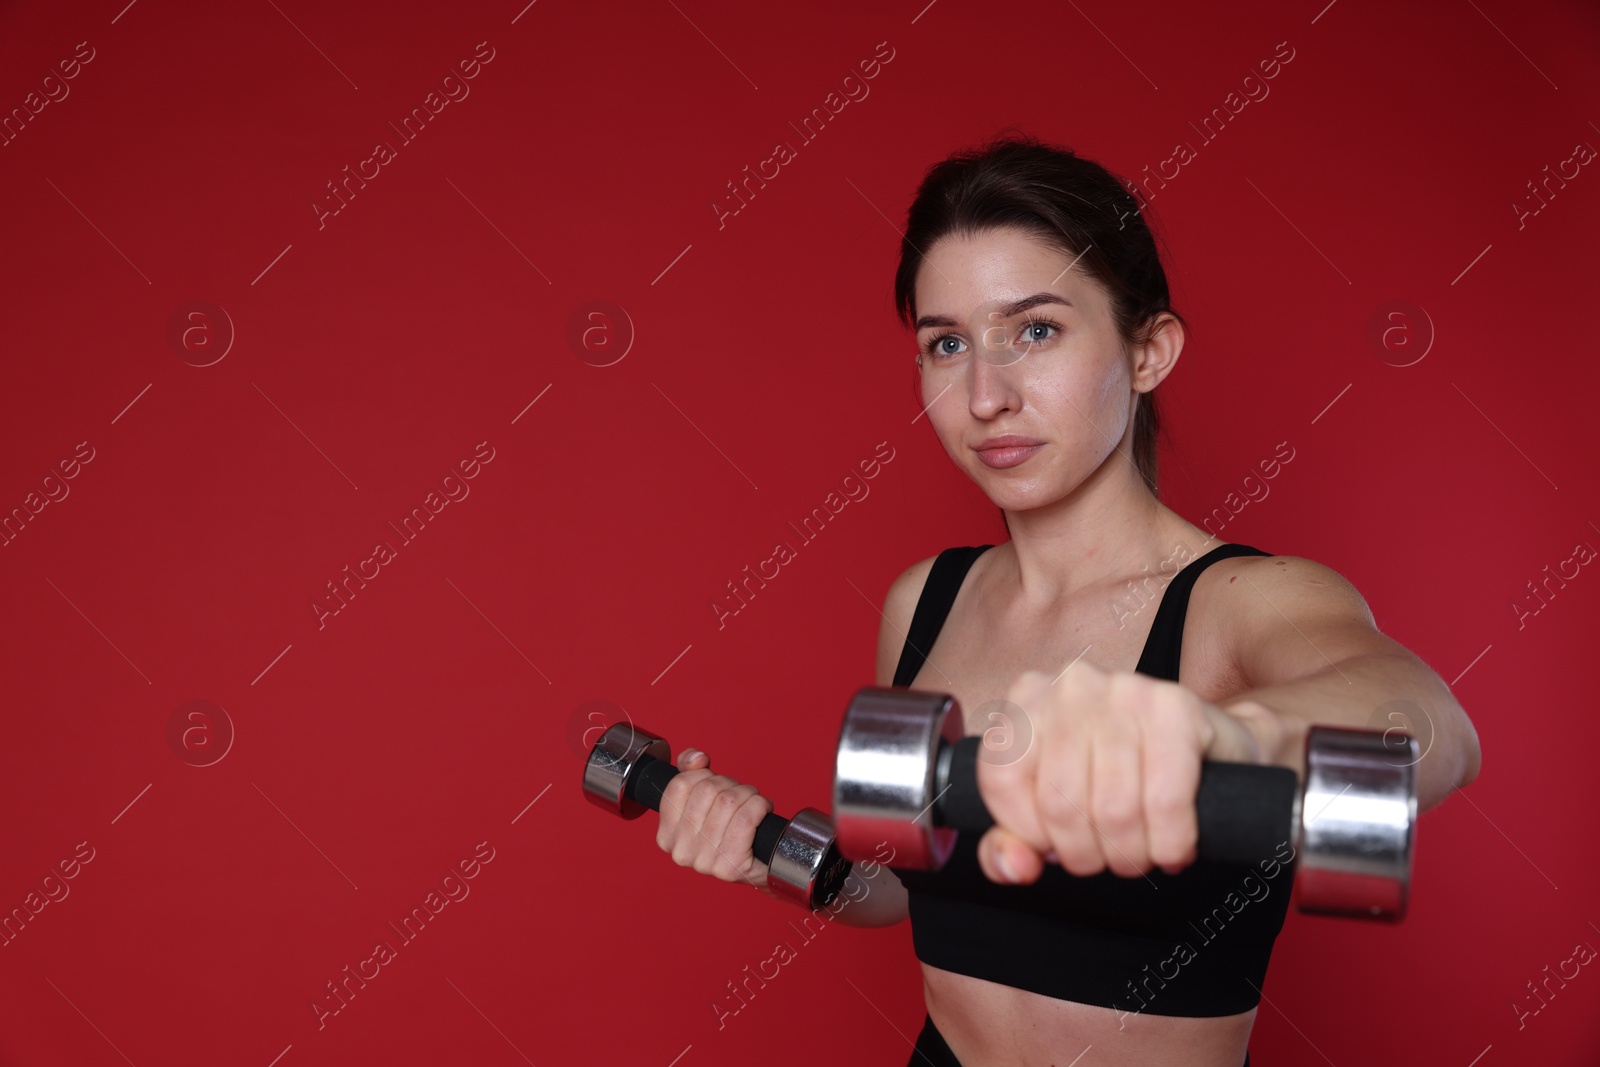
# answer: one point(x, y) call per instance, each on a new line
point(1307, 644)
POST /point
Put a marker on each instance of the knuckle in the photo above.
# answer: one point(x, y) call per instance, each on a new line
point(726, 802)
point(1136, 693)
point(752, 809)
point(1149, 705)
point(682, 791)
point(1117, 809)
point(1167, 806)
point(1084, 677)
point(1058, 807)
point(1028, 686)
point(1115, 797)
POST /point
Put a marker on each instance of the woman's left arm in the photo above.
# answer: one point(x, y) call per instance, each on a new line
point(1305, 642)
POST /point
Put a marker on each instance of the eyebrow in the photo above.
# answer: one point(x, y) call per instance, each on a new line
point(1014, 308)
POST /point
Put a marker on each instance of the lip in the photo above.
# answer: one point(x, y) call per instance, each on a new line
point(1007, 450)
point(1009, 440)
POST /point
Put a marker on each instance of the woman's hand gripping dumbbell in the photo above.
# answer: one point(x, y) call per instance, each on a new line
point(906, 774)
point(709, 821)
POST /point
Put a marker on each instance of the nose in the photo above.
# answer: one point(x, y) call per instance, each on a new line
point(992, 386)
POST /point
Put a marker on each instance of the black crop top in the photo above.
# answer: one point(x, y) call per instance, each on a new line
point(1193, 944)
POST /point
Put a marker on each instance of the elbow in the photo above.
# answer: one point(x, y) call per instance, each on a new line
point(1451, 759)
point(1465, 754)
point(1472, 754)
point(1457, 737)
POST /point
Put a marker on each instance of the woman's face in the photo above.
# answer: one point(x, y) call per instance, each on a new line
point(1016, 344)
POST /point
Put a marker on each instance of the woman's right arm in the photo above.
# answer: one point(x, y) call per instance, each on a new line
point(708, 821)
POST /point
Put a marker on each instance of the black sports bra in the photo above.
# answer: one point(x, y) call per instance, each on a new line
point(1193, 944)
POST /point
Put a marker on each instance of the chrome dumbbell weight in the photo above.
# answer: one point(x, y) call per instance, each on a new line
point(904, 773)
point(628, 770)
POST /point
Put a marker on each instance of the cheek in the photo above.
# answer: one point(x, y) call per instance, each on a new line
point(1106, 388)
point(938, 400)
point(1078, 400)
point(1084, 408)
point(947, 423)
point(1114, 389)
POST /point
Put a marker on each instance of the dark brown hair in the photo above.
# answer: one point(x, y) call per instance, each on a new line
point(1070, 203)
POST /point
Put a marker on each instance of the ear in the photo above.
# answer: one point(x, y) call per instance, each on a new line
point(1155, 359)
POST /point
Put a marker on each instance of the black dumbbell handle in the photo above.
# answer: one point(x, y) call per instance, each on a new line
point(649, 781)
point(1245, 810)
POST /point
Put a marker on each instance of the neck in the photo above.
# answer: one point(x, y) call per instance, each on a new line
point(1109, 527)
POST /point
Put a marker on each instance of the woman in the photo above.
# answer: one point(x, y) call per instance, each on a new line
point(1043, 326)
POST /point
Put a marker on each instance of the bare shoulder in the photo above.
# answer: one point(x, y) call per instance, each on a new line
point(1256, 583)
point(898, 606)
point(1283, 616)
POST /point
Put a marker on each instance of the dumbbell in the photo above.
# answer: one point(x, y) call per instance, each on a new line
point(906, 774)
point(628, 770)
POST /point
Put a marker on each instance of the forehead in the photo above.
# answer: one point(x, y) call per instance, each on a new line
point(965, 274)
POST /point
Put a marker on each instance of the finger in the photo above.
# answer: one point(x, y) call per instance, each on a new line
point(720, 855)
point(1117, 799)
point(692, 838)
point(1063, 797)
point(1008, 786)
point(739, 839)
point(676, 792)
point(1229, 737)
point(674, 797)
point(1172, 754)
point(1008, 859)
point(683, 805)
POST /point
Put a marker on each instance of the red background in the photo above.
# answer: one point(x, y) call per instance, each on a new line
point(373, 353)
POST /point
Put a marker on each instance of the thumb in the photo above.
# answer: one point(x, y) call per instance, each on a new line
point(692, 759)
point(1008, 859)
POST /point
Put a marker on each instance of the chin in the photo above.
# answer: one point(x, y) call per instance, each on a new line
point(1012, 498)
point(1017, 494)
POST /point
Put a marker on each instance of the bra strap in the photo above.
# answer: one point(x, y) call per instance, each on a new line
point(1164, 646)
point(938, 594)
